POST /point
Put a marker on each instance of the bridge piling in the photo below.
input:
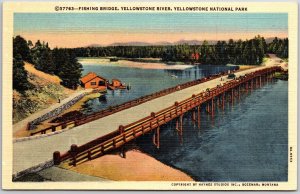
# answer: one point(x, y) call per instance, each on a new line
point(199, 115)
point(177, 125)
point(194, 116)
point(122, 152)
point(212, 106)
point(232, 96)
point(181, 128)
point(223, 101)
point(239, 92)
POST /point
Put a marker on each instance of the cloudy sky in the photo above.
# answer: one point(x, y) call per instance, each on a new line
point(75, 29)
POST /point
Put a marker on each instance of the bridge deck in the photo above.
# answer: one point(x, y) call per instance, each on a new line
point(33, 152)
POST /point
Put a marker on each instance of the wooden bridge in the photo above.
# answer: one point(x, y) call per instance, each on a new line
point(211, 98)
point(101, 133)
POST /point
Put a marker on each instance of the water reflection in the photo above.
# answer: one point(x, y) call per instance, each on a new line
point(102, 99)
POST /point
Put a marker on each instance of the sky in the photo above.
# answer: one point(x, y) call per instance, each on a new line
point(78, 29)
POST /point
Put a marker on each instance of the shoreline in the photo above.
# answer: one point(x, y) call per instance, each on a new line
point(137, 166)
point(134, 64)
point(145, 63)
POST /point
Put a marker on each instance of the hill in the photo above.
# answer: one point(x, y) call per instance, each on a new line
point(45, 90)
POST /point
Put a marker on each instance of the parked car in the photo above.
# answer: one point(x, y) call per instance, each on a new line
point(231, 76)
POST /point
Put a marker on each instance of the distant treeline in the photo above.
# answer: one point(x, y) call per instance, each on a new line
point(249, 52)
point(63, 63)
point(60, 62)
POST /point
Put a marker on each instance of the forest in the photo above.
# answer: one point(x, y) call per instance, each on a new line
point(63, 61)
point(250, 52)
point(58, 61)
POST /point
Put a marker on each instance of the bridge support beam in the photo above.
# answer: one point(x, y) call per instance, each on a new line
point(180, 131)
point(194, 115)
point(232, 96)
point(239, 92)
point(156, 137)
point(122, 152)
point(212, 106)
point(219, 101)
point(207, 107)
point(223, 100)
point(199, 115)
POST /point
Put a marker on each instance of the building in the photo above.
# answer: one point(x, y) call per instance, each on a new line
point(92, 80)
point(116, 83)
point(195, 56)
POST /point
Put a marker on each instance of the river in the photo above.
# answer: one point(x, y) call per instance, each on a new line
point(142, 81)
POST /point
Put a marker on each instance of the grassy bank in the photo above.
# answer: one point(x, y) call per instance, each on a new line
point(45, 90)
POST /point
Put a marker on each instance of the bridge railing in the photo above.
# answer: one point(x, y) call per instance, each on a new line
point(111, 110)
point(124, 134)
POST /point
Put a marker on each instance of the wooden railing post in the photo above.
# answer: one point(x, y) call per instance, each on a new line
point(56, 158)
point(73, 152)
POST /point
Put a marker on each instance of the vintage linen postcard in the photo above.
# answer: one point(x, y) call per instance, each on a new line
point(149, 96)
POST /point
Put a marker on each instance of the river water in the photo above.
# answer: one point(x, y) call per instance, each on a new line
point(142, 81)
point(245, 142)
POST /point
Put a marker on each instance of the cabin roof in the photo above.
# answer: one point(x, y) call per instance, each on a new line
point(116, 80)
point(90, 76)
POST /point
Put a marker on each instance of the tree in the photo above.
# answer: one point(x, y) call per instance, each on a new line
point(70, 71)
point(20, 81)
point(42, 57)
point(36, 52)
point(45, 63)
point(58, 59)
point(20, 47)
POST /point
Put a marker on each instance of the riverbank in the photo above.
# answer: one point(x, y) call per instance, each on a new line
point(40, 98)
point(137, 166)
point(147, 64)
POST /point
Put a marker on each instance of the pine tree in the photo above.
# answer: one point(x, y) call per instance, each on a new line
point(70, 71)
point(20, 47)
point(59, 58)
point(36, 53)
point(45, 63)
point(20, 81)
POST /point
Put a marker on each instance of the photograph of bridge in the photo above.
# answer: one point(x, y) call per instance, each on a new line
point(199, 97)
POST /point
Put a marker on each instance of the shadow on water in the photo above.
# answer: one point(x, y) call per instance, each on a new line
point(245, 142)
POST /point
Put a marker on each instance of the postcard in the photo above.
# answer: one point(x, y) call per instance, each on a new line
point(149, 96)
